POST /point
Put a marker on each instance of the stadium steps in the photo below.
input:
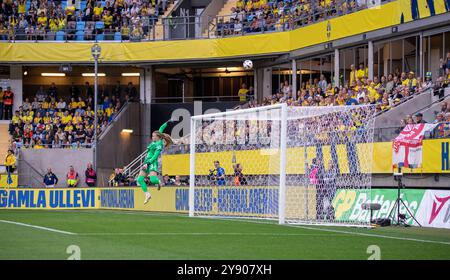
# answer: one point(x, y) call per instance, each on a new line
point(159, 28)
point(4, 142)
point(390, 120)
point(430, 112)
point(225, 11)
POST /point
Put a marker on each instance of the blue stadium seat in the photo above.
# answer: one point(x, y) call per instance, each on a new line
point(60, 36)
point(28, 5)
point(79, 35)
point(117, 36)
point(83, 5)
point(80, 25)
point(99, 37)
point(99, 25)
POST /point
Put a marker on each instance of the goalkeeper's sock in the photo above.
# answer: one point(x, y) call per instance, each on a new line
point(147, 197)
point(141, 183)
point(154, 180)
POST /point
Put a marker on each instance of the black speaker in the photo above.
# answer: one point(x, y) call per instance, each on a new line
point(383, 222)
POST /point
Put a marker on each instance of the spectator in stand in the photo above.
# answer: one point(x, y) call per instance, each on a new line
point(250, 94)
point(439, 118)
point(98, 11)
point(53, 91)
point(167, 181)
point(88, 91)
point(8, 102)
point(362, 72)
point(91, 176)
point(50, 179)
point(217, 175)
point(178, 181)
point(410, 81)
point(444, 107)
point(242, 93)
point(72, 177)
point(1, 103)
point(10, 162)
point(239, 178)
point(419, 118)
point(125, 31)
point(119, 178)
point(323, 83)
point(131, 92)
point(41, 95)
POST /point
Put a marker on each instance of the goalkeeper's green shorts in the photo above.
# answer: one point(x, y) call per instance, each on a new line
point(152, 167)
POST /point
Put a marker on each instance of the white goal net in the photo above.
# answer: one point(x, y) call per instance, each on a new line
point(291, 164)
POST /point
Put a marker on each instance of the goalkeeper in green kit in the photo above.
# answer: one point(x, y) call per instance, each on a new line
point(160, 141)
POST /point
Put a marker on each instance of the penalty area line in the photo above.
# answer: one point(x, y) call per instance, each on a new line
point(371, 235)
point(38, 227)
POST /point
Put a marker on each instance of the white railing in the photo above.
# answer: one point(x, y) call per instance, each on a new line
point(133, 168)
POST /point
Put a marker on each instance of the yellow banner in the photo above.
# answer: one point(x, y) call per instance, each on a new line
point(248, 201)
point(168, 199)
point(386, 15)
point(435, 159)
point(82, 198)
point(4, 181)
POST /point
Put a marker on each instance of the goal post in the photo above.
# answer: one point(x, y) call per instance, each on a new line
point(290, 164)
point(276, 112)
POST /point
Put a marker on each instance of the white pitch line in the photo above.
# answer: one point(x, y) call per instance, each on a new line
point(273, 223)
point(38, 227)
point(206, 233)
point(372, 235)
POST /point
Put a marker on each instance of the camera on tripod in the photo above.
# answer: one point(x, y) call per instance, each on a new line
point(398, 175)
point(395, 211)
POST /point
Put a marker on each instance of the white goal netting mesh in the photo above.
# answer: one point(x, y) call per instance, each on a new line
point(279, 162)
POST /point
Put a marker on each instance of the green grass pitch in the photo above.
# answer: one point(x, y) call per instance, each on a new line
point(103, 234)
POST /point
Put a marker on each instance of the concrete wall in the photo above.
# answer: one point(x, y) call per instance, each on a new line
point(116, 148)
point(59, 160)
point(392, 117)
point(211, 11)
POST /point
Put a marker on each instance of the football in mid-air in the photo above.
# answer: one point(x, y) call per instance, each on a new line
point(248, 64)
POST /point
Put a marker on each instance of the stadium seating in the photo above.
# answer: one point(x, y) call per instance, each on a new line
point(30, 128)
point(81, 25)
point(81, 20)
point(117, 36)
point(99, 37)
point(60, 36)
point(79, 35)
point(99, 25)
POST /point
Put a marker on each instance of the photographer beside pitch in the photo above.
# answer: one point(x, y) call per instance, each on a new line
point(217, 175)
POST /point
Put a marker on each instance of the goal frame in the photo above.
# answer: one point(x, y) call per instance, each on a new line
point(283, 146)
point(282, 188)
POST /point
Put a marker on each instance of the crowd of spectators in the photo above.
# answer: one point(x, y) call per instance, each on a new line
point(249, 16)
point(133, 19)
point(42, 19)
point(53, 121)
point(442, 119)
point(442, 116)
point(384, 92)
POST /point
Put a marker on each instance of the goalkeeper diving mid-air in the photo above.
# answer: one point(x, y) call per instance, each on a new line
point(160, 141)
